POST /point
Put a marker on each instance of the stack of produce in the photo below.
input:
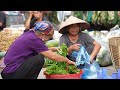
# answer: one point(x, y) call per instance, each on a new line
point(99, 20)
point(105, 19)
point(6, 40)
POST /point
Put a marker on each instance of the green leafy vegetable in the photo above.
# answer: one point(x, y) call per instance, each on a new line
point(53, 67)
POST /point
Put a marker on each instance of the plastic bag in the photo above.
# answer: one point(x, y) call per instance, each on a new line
point(83, 62)
point(115, 28)
point(114, 32)
point(103, 57)
point(90, 71)
point(81, 56)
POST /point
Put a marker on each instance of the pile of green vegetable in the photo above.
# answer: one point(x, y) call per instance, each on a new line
point(53, 67)
point(99, 20)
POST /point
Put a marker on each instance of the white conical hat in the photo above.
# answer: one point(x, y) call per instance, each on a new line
point(73, 20)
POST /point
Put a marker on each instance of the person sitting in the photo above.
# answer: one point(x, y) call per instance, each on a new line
point(73, 37)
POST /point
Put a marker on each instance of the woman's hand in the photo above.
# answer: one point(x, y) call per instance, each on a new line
point(75, 47)
point(91, 59)
point(30, 13)
point(27, 23)
point(71, 62)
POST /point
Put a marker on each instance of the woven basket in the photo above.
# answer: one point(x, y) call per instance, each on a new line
point(114, 46)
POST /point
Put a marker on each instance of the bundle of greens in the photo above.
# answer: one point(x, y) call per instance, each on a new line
point(53, 67)
point(105, 18)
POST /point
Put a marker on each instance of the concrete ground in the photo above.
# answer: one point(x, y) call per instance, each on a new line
point(41, 75)
point(110, 70)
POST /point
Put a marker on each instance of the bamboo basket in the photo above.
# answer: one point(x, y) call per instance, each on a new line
point(114, 46)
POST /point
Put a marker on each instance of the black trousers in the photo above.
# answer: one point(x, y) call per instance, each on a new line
point(30, 69)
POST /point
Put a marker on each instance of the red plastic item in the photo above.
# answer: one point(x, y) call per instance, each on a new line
point(64, 76)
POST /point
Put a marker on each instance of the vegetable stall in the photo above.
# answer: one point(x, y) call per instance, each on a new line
point(7, 36)
point(60, 70)
point(99, 20)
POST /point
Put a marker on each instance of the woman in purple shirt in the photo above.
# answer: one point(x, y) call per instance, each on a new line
point(25, 57)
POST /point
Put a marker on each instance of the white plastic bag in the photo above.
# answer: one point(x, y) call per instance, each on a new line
point(103, 57)
point(114, 32)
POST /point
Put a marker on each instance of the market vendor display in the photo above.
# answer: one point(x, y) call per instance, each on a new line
point(25, 57)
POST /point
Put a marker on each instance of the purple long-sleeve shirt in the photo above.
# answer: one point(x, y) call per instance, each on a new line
point(23, 48)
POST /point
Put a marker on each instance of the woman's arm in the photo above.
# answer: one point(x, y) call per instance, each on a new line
point(27, 23)
point(53, 56)
point(96, 49)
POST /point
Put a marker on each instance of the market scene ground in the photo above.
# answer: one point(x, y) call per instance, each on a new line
point(110, 70)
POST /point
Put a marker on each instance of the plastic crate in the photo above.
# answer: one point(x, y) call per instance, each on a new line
point(114, 46)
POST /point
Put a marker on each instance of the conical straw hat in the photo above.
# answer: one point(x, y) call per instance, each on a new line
point(73, 20)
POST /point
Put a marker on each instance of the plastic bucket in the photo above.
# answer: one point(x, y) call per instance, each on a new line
point(64, 76)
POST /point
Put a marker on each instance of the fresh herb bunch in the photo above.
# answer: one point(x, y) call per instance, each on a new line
point(56, 69)
point(62, 50)
point(72, 69)
point(53, 67)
